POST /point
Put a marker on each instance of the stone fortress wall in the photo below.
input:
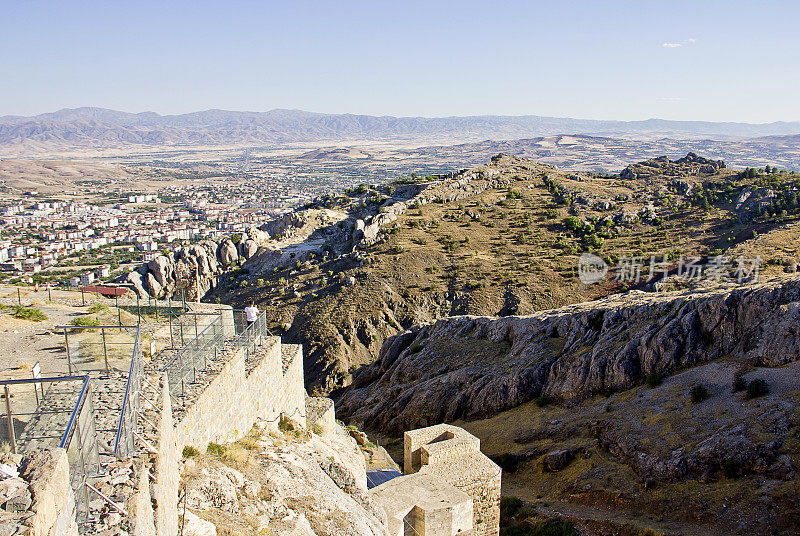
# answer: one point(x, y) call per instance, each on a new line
point(225, 411)
point(236, 399)
point(453, 455)
point(450, 487)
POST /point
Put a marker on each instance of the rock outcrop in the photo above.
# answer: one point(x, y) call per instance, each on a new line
point(469, 367)
point(294, 485)
point(691, 164)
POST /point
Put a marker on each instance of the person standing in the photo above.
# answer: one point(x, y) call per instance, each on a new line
point(251, 313)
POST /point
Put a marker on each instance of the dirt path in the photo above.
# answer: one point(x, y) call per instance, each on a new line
point(592, 520)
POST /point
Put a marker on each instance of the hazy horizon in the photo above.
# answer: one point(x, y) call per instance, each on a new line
point(603, 119)
point(686, 61)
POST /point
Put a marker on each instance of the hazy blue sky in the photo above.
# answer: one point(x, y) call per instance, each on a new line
point(726, 60)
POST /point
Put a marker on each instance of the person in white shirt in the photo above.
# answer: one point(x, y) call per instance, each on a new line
point(251, 313)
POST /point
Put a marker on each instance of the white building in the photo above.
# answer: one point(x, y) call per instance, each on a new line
point(87, 278)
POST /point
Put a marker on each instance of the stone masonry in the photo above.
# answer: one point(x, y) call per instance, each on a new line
point(453, 455)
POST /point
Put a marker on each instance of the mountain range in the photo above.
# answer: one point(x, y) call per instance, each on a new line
point(103, 128)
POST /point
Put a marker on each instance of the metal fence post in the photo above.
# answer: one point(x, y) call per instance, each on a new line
point(66, 345)
point(83, 297)
point(195, 325)
point(11, 437)
point(119, 313)
point(105, 352)
point(171, 340)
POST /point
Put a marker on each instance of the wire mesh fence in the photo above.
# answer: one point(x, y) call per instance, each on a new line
point(182, 369)
point(249, 333)
point(80, 442)
point(124, 443)
point(63, 415)
point(98, 347)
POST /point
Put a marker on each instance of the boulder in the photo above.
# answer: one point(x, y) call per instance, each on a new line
point(555, 460)
point(258, 236)
point(248, 248)
point(194, 526)
point(227, 253)
point(162, 269)
point(134, 279)
point(154, 288)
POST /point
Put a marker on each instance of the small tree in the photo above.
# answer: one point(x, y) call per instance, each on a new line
point(698, 393)
point(572, 223)
point(757, 388)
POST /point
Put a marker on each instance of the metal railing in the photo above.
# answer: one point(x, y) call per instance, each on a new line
point(249, 334)
point(182, 369)
point(178, 332)
point(79, 438)
point(124, 443)
point(80, 442)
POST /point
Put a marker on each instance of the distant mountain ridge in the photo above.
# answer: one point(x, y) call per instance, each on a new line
point(99, 127)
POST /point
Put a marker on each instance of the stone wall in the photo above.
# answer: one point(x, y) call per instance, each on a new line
point(264, 385)
point(167, 474)
point(236, 399)
point(453, 455)
point(141, 507)
point(293, 383)
point(320, 415)
point(53, 505)
point(225, 411)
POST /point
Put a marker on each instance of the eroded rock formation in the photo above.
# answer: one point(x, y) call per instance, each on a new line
point(470, 367)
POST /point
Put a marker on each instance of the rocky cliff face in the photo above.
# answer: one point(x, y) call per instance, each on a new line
point(289, 484)
point(470, 367)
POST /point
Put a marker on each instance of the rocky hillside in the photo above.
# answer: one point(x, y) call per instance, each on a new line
point(500, 239)
point(290, 483)
point(470, 367)
point(671, 412)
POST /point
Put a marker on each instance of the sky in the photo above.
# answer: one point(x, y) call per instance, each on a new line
point(702, 60)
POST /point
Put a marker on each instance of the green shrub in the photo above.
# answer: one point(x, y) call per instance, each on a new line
point(653, 380)
point(540, 401)
point(739, 384)
point(285, 424)
point(416, 347)
point(698, 393)
point(190, 452)
point(509, 506)
point(28, 313)
point(215, 449)
point(572, 223)
point(757, 388)
point(97, 307)
point(83, 321)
